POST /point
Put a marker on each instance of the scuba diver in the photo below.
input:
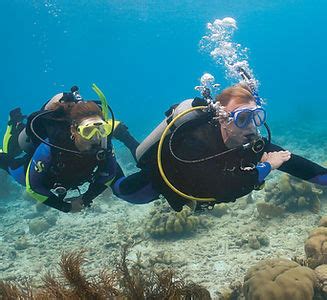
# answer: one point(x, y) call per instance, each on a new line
point(62, 147)
point(208, 151)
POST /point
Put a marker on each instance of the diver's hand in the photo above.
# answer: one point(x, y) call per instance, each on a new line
point(77, 204)
point(276, 158)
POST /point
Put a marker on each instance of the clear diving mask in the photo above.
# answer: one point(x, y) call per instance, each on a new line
point(244, 116)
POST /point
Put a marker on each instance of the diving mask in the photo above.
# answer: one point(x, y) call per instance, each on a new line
point(244, 116)
point(100, 129)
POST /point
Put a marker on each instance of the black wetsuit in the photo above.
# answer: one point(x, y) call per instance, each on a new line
point(225, 178)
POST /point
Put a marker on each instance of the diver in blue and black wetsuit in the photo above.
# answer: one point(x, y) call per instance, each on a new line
point(214, 153)
point(66, 145)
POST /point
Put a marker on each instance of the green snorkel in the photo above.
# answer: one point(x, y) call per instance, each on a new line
point(103, 99)
point(104, 107)
point(105, 111)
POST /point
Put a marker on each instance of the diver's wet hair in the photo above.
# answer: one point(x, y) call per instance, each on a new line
point(61, 111)
point(241, 93)
point(82, 110)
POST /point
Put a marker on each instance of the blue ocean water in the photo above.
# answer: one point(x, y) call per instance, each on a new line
point(145, 55)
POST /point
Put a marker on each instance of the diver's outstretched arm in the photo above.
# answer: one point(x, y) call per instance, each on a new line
point(301, 167)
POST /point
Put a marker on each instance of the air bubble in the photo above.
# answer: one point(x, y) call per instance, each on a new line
point(224, 50)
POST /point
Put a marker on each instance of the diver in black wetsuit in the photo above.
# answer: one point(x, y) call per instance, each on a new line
point(65, 145)
point(213, 154)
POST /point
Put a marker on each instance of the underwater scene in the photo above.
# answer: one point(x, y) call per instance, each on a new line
point(156, 149)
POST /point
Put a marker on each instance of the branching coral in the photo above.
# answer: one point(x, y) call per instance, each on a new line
point(125, 282)
point(15, 290)
point(293, 194)
point(136, 284)
point(74, 284)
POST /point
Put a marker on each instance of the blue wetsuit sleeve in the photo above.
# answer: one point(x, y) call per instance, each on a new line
point(319, 179)
point(263, 169)
point(103, 178)
point(36, 180)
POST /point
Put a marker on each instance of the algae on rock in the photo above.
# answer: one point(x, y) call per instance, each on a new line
point(293, 194)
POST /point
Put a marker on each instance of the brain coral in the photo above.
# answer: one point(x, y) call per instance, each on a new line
point(321, 273)
point(279, 279)
point(316, 247)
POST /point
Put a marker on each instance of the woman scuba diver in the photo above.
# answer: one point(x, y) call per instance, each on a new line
point(205, 152)
point(66, 145)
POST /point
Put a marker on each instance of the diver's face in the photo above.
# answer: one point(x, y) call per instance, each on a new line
point(83, 144)
point(234, 136)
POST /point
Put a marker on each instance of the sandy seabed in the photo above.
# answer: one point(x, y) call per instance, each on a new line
point(212, 256)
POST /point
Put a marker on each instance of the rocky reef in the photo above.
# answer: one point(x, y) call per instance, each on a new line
point(284, 279)
point(292, 194)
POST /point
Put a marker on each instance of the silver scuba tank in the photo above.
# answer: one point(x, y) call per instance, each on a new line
point(156, 134)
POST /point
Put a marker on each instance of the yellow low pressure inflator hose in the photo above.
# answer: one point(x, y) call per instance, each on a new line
point(159, 157)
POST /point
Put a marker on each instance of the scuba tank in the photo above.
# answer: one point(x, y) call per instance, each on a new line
point(154, 137)
point(207, 89)
point(28, 139)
